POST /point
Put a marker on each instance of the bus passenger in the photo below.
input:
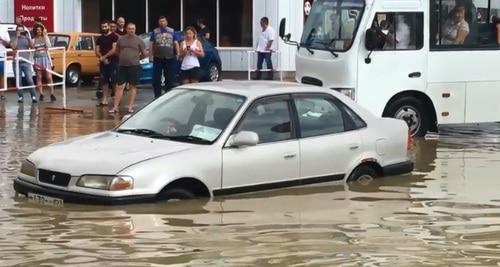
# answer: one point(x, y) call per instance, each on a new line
point(455, 28)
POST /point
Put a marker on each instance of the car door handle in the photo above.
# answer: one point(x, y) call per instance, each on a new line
point(415, 75)
point(290, 156)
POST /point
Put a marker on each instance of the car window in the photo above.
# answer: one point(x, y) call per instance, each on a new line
point(59, 40)
point(319, 116)
point(84, 43)
point(270, 120)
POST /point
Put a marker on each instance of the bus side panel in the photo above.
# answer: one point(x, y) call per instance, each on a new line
point(449, 101)
point(483, 102)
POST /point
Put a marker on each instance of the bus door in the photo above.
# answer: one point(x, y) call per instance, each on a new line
point(397, 62)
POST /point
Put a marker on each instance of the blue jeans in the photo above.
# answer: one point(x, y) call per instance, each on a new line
point(25, 68)
point(167, 68)
point(269, 65)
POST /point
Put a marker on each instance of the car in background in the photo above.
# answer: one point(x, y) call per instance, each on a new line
point(81, 61)
point(210, 64)
point(217, 138)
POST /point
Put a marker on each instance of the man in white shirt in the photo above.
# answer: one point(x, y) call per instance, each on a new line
point(265, 48)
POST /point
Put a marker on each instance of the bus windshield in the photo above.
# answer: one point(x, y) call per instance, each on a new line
point(332, 24)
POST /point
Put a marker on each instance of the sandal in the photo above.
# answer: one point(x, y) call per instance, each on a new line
point(130, 111)
point(113, 111)
point(101, 105)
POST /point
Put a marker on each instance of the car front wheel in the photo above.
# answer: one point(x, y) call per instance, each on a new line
point(176, 193)
point(413, 111)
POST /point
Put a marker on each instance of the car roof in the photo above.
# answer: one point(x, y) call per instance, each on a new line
point(256, 89)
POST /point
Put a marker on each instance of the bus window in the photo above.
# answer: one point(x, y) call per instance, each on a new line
point(464, 24)
point(399, 31)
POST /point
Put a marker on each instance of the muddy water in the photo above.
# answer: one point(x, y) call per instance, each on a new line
point(446, 214)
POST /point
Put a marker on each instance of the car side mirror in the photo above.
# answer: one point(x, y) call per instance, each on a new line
point(245, 138)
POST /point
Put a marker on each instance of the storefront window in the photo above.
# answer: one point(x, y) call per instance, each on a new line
point(206, 9)
point(132, 11)
point(168, 8)
point(235, 23)
point(93, 12)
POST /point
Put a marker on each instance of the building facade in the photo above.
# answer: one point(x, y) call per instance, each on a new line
point(234, 24)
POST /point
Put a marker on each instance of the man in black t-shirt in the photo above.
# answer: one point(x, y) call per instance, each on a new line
point(105, 51)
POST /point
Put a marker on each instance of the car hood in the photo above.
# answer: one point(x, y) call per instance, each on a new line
point(104, 153)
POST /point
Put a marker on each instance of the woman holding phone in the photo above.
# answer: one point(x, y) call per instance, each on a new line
point(41, 43)
point(190, 52)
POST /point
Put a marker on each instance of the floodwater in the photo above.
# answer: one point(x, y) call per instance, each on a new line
point(447, 213)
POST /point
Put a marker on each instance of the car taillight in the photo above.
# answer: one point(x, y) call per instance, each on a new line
point(409, 141)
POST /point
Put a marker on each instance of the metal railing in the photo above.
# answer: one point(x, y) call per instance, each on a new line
point(251, 62)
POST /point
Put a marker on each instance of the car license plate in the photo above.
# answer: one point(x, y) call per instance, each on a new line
point(46, 200)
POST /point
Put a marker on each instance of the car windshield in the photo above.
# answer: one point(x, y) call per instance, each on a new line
point(332, 24)
point(185, 115)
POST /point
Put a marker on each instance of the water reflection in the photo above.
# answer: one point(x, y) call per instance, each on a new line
point(446, 213)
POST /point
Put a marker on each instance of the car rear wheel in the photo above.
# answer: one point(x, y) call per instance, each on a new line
point(214, 72)
point(176, 193)
point(363, 175)
point(73, 75)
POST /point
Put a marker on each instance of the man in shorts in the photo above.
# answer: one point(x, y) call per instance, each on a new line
point(105, 51)
point(131, 49)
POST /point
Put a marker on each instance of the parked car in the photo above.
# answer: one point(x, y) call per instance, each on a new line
point(221, 138)
point(81, 61)
point(210, 64)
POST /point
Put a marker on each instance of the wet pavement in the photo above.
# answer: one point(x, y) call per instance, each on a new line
point(447, 213)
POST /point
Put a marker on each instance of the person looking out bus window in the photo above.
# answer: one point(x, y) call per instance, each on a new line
point(455, 28)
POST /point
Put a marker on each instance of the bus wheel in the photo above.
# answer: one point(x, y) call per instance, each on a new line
point(412, 110)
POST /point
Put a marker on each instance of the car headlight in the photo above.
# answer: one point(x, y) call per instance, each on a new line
point(28, 168)
point(110, 183)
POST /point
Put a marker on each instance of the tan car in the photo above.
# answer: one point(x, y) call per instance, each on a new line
point(81, 61)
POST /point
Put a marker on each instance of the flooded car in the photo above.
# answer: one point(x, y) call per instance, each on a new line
point(207, 139)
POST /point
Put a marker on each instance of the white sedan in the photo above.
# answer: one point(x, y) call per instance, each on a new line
point(208, 139)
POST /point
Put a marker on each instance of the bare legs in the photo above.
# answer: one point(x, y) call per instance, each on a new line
point(118, 97)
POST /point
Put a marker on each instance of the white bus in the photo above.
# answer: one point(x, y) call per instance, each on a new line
point(429, 62)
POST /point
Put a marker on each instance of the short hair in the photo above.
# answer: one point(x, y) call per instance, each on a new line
point(112, 22)
point(105, 22)
point(265, 20)
point(163, 17)
point(191, 28)
point(129, 24)
point(37, 19)
point(201, 20)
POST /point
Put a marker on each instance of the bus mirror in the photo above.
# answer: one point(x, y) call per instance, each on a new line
point(282, 28)
point(371, 40)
